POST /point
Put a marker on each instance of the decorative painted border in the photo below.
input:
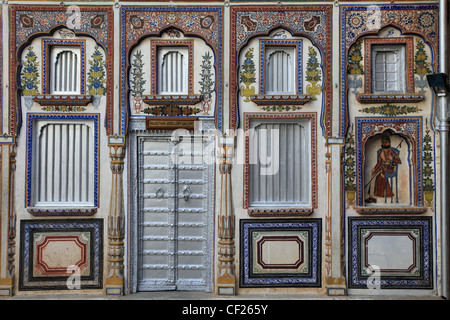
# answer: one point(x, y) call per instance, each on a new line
point(277, 100)
point(300, 211)
point(358, 281)
point(312, 22)
point(280, 43)
point(274, 212)
point(60, 100)
point(407, 126)
point(28, 22)
point(1, 68)
point(44, 212)
point(46, 43)
point(408, 18)
point(31, 117)
point(138, 22)
point(312, 278)
point(27, 230)
point(172, 43)
point(409, 61)
point(387, 98)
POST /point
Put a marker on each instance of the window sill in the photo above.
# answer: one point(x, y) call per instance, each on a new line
point(280, 211)
point(391, 210)
point(169, 99)
point(57, 100)
point(288, 99)
point(47, 211)
point(395, 97)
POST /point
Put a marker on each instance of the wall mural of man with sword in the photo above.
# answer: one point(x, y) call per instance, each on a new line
point(388, 160)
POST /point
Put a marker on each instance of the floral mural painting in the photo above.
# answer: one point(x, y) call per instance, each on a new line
point(206, 83)
point(30, 77)
point(428, 172)
point(248, 76)
point(281, 108)
point(64, 108)
point(96, 76)
point(350, 169)
point(313, 74)
point(391, 110)
point(137, 80)
point(421, 66)
point(355, 69)
point(171, 111)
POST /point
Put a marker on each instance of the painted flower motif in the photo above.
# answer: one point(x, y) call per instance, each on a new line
point(61, 17)
point(206, 22)
point(427, 157)
point(310, 25)
point(432, 35)
point(249, 23)
point(96, 75)
point(356, 20)
point(30, 74)
point(410, 128)
point(367, 129)
point(426, 20)
point(408, 20)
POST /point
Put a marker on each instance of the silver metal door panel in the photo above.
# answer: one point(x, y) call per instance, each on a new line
point(156, 195)
point(174, 202)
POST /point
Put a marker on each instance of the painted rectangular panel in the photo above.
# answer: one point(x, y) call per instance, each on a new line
point(52, 251)
point(394, 253)
point(280, 253)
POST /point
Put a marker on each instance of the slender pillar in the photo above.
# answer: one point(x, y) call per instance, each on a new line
point(116, 220)
point(226, 280)
point(334, 227)
point(443, 129)
point(8, 215)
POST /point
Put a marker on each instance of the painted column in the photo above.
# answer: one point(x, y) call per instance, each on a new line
point(443, 128)
point(8, 215)
point(226, 280)
point(116, 220)
point(334, 227)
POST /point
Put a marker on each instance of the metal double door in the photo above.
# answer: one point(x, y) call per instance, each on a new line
point(175, 209)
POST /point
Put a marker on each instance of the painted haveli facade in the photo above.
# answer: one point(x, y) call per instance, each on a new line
point(230, 147)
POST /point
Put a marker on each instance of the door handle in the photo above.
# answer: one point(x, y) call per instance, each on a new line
point(160, 192)
point(186, 193)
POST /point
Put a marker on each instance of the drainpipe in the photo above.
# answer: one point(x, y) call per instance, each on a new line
point(443, 129)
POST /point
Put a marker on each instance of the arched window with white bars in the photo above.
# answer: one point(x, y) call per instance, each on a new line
point(280, 70)
point(65, 70)
point(172, 70)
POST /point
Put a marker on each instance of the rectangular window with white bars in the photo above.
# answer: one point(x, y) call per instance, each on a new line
point(279, 162)
point(388, 69)
point(64, 160)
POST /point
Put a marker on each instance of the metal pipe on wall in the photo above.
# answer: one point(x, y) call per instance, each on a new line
point(443, 128)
